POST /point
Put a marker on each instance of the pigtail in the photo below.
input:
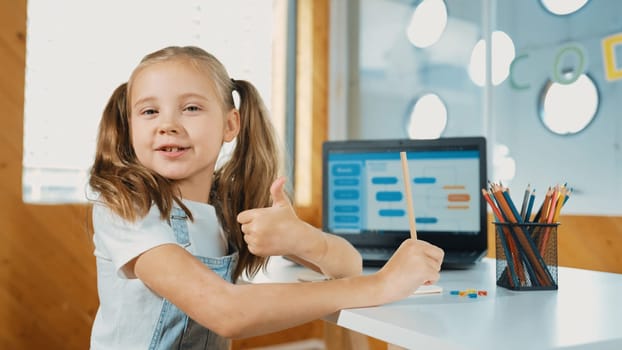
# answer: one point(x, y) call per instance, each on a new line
point(243, 182)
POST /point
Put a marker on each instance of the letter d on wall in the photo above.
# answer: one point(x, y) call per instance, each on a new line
point(609, 56)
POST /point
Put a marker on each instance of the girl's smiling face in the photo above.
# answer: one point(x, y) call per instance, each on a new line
point(178, 124)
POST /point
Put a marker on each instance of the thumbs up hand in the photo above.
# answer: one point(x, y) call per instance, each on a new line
point(277, 193)
point(277, 230)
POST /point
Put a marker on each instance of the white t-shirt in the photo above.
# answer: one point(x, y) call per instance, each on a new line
point(128, 310)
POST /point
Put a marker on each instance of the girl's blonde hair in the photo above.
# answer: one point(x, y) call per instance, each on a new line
point(243, 182)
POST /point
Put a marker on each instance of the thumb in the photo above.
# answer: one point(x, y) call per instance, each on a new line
point(277, 192)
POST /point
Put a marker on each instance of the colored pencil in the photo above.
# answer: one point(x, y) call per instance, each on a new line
point(532, 197)
point(529, 257)
point(544, 207)
point(526, 245)
point(508, 247)
point(523, 239)
point(523, 209)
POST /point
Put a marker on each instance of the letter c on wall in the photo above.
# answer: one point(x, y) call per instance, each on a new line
point(513, 83)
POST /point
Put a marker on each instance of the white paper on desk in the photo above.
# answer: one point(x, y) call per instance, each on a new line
point(428, 289)
point(312, 276)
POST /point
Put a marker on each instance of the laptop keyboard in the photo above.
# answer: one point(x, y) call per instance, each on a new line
point(375, 253)
point(376, 256)
point(461, 258)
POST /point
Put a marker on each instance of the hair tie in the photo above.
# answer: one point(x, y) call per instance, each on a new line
point(235, 94)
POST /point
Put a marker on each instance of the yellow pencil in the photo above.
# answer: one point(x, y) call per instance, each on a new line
point(560, 202)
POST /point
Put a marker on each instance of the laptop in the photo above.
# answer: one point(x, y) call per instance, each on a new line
point(363, 197)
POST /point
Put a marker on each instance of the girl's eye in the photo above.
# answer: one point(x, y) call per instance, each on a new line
point(192, 108)
point(149, 112)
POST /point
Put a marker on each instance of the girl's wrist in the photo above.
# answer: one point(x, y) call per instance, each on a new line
point(371, 288)
point(314, 245)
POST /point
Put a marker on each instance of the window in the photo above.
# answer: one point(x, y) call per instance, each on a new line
point(403, 57)
point(568, 108)
point(563, 7)
point(78, 52)
point(427, 118)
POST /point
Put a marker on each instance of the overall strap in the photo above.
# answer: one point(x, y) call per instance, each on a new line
point(178, 221)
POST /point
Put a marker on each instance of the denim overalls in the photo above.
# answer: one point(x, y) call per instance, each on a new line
point(175, 330)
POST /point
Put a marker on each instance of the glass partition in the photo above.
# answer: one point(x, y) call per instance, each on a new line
point(545, 92)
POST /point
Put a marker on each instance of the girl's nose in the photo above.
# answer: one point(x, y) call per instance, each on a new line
point(168, 125)
point(168, 128)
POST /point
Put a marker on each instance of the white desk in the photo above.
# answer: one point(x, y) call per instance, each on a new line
point(584, 313)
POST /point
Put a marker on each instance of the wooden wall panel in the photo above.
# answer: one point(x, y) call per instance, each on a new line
point(47, 271)
point(590, 242)
point(312, 68)
point(587, 242)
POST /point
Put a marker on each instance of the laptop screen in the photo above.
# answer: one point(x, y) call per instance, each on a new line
point(364, 199)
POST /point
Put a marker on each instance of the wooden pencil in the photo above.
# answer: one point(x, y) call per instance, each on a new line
point(409, 196)
point(507, 244)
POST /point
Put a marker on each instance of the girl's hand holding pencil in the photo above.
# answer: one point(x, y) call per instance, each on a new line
point(426, 250)
point(417, 259)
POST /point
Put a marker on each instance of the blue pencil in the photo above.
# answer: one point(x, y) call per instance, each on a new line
point(530, 205)
point(567, 196)
point(508, 257)
point(530, 244)
point(508, 199)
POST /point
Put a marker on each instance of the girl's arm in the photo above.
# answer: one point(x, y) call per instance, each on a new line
point(243, 310)
point(278, 231)
point(331, 255)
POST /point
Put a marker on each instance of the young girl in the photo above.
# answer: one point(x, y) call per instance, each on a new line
point(173, 233)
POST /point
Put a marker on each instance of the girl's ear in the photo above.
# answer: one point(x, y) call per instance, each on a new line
point(232, 125)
